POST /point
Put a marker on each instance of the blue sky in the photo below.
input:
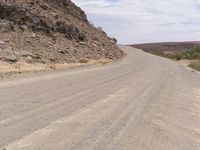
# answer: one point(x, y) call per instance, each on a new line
point(143, 21)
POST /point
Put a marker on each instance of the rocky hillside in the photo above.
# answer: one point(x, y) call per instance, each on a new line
point(50, 31)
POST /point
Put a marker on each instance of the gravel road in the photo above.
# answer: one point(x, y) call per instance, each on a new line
point(142, 102)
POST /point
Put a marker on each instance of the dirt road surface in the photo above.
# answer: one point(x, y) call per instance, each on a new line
point(143, 102)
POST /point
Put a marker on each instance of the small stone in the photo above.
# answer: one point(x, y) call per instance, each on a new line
point(2, 42)
point(61, 51)
point(94, 44)
point(82, 43)
point(29, 59)
point(33, 35)
point(23, 27)
point(11, 59)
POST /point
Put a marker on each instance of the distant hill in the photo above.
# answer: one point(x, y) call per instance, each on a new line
point(167, 46)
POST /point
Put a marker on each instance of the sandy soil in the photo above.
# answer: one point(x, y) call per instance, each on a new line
point(186, 62)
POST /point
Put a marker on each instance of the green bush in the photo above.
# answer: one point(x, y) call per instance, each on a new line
point(192, 54)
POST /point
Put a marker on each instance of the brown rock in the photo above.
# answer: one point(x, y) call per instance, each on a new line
point(42, 30)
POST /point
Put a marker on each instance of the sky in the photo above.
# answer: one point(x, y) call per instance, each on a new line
point(145, 21)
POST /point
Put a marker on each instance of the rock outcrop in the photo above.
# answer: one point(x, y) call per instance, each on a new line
point(50, 31)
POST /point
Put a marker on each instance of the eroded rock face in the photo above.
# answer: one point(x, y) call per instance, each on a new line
point(69, 7)
point(46, 28)
point(22, 16)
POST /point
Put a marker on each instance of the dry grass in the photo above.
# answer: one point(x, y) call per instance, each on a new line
point(21, 67)
point(195, 65)
point(82, 61)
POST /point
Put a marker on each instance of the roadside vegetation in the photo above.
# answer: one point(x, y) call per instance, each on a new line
point(195, 65)
point(193, 54)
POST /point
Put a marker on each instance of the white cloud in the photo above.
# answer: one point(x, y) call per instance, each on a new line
point(138, 21)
